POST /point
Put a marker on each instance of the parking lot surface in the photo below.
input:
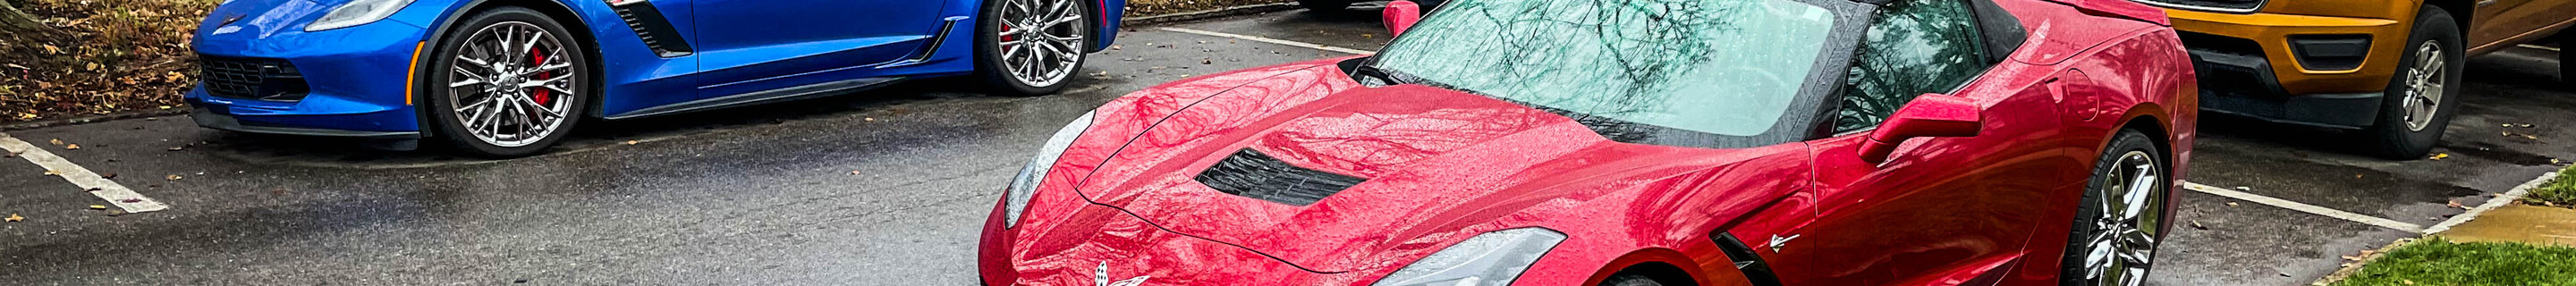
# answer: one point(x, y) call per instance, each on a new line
point(890, 187)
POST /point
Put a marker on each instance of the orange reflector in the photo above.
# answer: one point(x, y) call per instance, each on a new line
point(411, 78)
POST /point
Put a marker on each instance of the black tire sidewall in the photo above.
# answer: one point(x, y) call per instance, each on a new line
point(1627, 279)
point(442, 114)
point(2071, 266)
point(988, 61)
point(2394, 141)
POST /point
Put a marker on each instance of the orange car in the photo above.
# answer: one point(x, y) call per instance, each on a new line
point(2384, 68)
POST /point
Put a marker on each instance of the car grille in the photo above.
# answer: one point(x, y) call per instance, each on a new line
point(248, 78)
point(2234, 6)
point(1254, 175)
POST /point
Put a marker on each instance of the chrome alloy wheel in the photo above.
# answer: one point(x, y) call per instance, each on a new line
point(508, 87)
point(2424, 83)
point(2124, 242)
point(1041, 40)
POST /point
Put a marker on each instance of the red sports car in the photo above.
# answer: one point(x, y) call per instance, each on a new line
point(1637, 142)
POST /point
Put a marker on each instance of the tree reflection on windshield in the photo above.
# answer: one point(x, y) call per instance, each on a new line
point(1725, 67)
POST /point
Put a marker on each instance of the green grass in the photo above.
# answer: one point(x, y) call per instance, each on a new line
point(2561, 192)
point(2435, 261)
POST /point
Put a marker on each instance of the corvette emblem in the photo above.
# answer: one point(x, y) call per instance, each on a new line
point(1100, 277)
point(1776, 242)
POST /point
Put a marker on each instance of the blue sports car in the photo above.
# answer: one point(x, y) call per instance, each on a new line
point(507, 78)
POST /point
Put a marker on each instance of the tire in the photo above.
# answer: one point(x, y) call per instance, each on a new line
point(2403, 131)
point(2117, 171)
point(1325, 5)
point(547, 112)
point(1624, 279)
point(1003, 76)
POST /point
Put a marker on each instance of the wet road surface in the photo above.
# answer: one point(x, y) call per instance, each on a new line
point(890, 187)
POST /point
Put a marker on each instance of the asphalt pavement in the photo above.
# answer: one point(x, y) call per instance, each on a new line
point(890, 187)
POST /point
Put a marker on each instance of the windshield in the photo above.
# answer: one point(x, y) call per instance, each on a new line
point(1725, 67)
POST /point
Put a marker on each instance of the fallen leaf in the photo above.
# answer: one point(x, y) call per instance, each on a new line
point(72, 147)
point(2231, 204)
point(2408, 282)
point(15, 218)
point(869, 119)
point(174, 177)
point(2439, 156)
point(53, 173)
point(631, 142)
point(2244, 188)
point(56, 141)
point(97, 207)
point(2456, 204)
point(2352, 258)
point(2196, 225)
point(178, 148)
point(107, 176)
point(2526, 125)
point(854, 172)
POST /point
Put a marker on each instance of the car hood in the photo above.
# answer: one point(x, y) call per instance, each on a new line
point(1347, 178)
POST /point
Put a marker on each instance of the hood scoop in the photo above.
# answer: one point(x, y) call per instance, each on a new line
point(1251, 174)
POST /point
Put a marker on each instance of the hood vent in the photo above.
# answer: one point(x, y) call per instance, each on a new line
point(1254, 175)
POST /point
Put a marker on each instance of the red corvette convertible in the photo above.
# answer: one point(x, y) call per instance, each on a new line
point(1637, 142)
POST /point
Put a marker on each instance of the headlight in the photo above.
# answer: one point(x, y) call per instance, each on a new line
point(1493, 258)
point(358, 12)
point(1025, 185)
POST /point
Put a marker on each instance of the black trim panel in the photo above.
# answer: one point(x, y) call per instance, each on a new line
point(797, 92)
point(1745, 260)
point(208, 118)
point(655, 29)
point(1251, 174)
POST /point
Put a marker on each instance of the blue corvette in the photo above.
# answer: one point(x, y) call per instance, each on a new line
point(507, 78)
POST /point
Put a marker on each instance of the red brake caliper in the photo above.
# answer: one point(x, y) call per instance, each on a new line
point(543, 96)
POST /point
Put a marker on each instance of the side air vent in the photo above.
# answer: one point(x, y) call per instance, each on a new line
point(1254, 175)
point(650, 25)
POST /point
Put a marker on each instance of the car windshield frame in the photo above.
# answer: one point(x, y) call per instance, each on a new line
point(1806, 115)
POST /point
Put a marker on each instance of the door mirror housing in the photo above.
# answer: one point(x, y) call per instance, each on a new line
point(1400, 15)
point(1929, 115)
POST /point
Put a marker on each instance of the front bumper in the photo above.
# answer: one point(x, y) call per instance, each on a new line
point(2316, 70)
point(356, 78)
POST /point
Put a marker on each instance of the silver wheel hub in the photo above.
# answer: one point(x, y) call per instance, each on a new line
point(508, 88)
point(2125, 225)
point(2424, 86)
point(1041, 40)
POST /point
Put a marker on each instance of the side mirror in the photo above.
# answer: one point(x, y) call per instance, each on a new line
point(1930, 115)
point(1401, 15)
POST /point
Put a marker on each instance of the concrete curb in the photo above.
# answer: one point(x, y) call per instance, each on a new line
point(1202, 15)
point(2500, 200)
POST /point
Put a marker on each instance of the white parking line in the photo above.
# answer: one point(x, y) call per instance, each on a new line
point(2492, 203)
point(114, 193)
point(2553, 49)
point(2307, 208)
point(1273, 41)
